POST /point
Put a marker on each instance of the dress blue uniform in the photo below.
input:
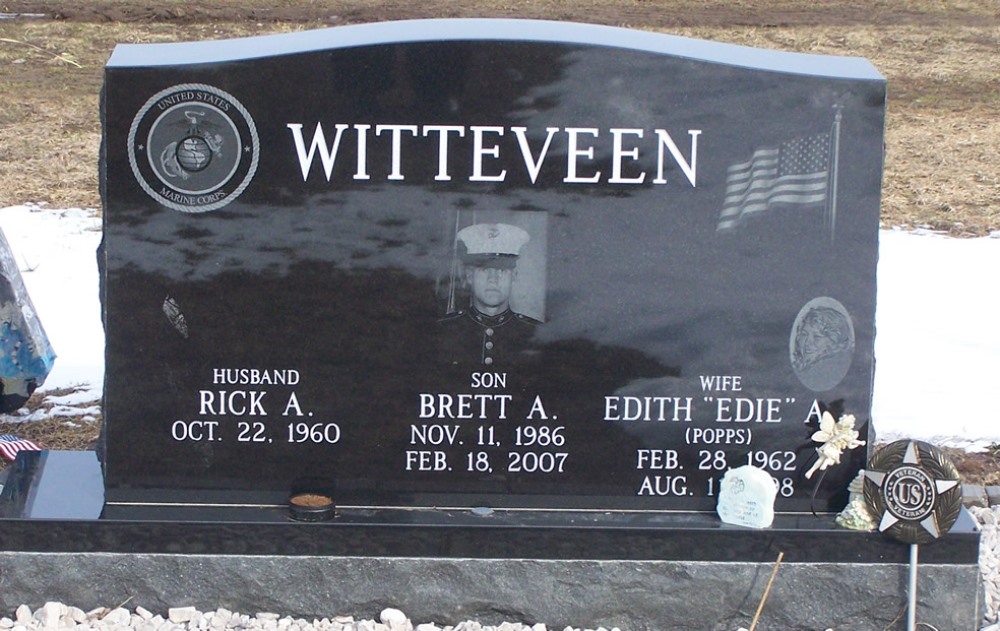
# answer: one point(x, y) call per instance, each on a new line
point(501, 337)
point(474, 338)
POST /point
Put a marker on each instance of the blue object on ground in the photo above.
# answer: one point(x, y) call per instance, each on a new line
point(26, 356)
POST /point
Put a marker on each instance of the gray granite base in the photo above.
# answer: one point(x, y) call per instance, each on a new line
point(672, 572)
point(631, 595)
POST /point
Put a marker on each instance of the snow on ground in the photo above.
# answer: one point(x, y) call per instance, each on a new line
point(937, 339)
point(56, 253)
point(937, 344)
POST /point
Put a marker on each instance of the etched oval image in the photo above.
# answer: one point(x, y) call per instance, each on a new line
point(821, 345)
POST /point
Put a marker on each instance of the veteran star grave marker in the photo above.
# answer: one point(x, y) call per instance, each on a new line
point(484, 264)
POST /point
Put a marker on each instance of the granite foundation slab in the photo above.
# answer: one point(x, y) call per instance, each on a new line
point(992, 494)
point(635, 571)
point(635, 595)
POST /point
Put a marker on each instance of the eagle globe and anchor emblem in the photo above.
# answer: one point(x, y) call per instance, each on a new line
point(194, 153)
point(193, 148)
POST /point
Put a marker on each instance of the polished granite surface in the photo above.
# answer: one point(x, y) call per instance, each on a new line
point(52, 502)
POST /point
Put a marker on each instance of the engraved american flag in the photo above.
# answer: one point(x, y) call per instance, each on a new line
point(795, 172)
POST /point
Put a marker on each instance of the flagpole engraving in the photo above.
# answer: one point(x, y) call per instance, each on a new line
point(834, 166)
point(801, 171)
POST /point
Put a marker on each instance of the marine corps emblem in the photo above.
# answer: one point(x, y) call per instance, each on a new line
point(193, 148)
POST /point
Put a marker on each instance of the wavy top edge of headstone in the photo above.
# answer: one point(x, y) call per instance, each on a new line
point(486, 30)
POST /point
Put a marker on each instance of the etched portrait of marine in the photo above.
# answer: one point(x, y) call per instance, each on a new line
point(488, 330)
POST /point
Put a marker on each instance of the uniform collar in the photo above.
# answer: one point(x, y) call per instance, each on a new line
point(488, 320)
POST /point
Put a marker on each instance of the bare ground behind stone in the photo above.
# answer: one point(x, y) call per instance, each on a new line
point(940, 59)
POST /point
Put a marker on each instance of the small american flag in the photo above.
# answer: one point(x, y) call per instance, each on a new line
point(795, 172)
point(11, 444)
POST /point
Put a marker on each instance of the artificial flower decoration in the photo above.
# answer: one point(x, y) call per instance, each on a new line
point(836, 436)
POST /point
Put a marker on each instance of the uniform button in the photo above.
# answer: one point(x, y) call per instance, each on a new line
point(489, 346)
point(488, 361)
point(489, 331)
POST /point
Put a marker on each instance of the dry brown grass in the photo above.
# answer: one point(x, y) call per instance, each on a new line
point(981, 468)
point(59, 433)
point(940, 59)
point(942, 129)
point(49, 117)
point(54, 431)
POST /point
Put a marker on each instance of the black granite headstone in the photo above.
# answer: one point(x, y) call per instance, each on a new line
point(473, 263)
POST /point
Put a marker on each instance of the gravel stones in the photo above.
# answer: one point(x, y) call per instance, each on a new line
point(180, 615)
point(989, 561)
point(57, 616)
point(395, 620)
